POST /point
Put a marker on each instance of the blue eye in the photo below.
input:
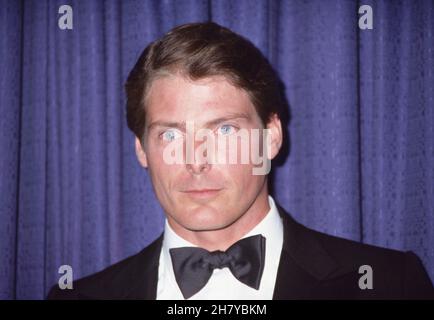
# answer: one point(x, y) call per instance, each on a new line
point(226, 129)
point(170, 135)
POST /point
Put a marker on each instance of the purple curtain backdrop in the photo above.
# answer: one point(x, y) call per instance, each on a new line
point(361, 161)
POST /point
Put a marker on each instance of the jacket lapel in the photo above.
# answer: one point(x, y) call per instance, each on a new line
point(146, 269)
point(303, 262)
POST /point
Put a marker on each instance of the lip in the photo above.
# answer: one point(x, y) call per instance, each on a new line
point(202, 193)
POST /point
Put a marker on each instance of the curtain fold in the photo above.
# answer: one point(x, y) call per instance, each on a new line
point(361, 133)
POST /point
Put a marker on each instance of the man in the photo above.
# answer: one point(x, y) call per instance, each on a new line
point(224, 236)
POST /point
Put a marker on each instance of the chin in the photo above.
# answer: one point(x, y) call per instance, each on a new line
point(206, 220)
point(197, 227)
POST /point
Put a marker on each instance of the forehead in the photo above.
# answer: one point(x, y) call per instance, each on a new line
point(176, 98)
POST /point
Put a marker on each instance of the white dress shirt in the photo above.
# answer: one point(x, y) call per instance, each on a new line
point(223, 285)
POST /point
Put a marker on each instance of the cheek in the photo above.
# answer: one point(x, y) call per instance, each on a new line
point(161, 173)
point(155, 155)
point(241, 177)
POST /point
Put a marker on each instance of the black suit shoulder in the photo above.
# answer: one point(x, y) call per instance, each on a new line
point(396, 274)
point(126, 279)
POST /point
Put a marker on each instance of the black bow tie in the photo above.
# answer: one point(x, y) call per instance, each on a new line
point(194, 266)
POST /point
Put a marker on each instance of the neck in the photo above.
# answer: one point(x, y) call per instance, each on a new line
point(222, 239)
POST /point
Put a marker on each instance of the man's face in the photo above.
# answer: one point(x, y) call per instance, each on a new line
point(199, 196)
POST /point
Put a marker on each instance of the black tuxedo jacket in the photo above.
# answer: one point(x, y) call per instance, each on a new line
point(312, 265)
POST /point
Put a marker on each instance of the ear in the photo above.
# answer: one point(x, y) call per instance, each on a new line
point(275, 126)
point(140, 153)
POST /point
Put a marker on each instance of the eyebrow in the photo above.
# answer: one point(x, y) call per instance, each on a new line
point(211, 123)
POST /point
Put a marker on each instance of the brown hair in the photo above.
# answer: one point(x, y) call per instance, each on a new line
point(200, 50)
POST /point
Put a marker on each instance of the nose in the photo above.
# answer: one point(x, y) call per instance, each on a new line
point(198, 166)
point(198, 163)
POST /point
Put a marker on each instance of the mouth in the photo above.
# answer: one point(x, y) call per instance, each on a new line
point(202, 193)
